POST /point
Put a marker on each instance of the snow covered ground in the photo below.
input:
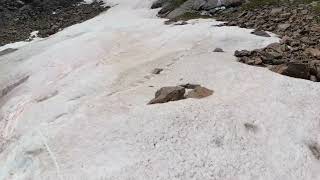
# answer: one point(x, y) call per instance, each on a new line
point(80, 110)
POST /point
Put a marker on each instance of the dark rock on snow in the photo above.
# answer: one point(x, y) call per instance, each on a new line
point(260, 33)
point(175, 93)
point(166, 94)
point(157, 71)
point(295, 70)
point(218, 50)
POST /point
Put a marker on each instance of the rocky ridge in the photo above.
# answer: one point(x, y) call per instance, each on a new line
point(20, 18)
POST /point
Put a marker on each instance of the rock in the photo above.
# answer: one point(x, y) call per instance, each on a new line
point(218, 50)
point(181, 23)
point(200, 5)
point(274, 55)
point(7, 51)
point(313, 78)
point(157, 71)
point(158, 4)
point(315, 68)
point(315, 150)
point(315, 28)
point(190, 86)
point(313, 52)
point(286, 40)
point(285, 15)
point(283, 27)
point(258, 61)
point(199, 92)
point(242, 53)
point(166, 94)
point(260, 33)
point(276, 11)
point(277, 47)
point(296, 70)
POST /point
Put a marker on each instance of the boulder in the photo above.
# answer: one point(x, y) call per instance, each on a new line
point(242, 53)
point(199, 92)
point(315, 68)
point(296, 70)
point(260, 33)
point(283, 27)
point(218, 50)
point(166, 94)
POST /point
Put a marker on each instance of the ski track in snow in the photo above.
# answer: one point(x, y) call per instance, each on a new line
point(82, 113)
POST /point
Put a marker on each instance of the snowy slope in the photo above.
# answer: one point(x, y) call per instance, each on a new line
point(82, 113)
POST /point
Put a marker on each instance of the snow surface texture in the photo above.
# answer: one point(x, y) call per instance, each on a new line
point(82, 112)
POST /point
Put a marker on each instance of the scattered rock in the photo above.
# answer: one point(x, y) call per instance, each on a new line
point(260, 33)
point(218, 50)
point(199, 92)
point(299, 29)
point(157, 71)
point(166, 94)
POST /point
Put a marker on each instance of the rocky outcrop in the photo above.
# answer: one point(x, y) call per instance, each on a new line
point(175, 8)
